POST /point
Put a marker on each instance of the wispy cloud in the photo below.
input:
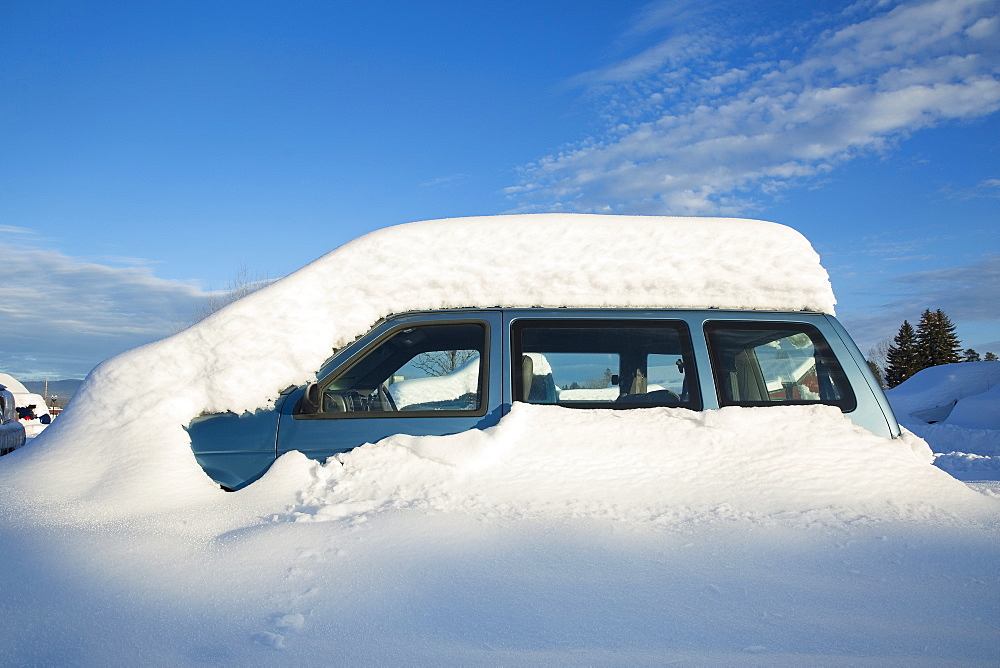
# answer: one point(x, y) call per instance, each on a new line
point(15, 230)
point(445, 181)
point(967, 293)
point(84, 311)
point(970, 291)
point(711, 116)
point(987, 188)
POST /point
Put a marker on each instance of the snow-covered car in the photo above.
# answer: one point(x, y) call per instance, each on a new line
point(32, 411)
point(687, 322)
point(11, 430)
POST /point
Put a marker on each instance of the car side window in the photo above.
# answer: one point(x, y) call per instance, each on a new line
point(435, 367)
point(604, 363)
point(773, 363)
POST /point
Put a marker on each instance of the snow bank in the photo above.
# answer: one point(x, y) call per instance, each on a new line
point(655, 465)
point(956, 408)
point(939, 388)
point(744, 536)
point(979, 411)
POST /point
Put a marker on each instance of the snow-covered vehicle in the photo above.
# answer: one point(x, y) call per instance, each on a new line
point(11, 430)
point(687, 323)
point(32, 411)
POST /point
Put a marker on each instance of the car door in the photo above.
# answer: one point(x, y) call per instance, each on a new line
point(422, 374)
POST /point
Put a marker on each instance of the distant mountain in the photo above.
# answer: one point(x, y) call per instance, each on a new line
point(62, 389)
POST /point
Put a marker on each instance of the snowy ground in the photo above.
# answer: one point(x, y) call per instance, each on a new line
point(770, 536)
point(557, 537)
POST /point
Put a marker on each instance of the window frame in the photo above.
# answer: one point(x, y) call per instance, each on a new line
point(695, 400)
point(821, 351)
point(354, 357)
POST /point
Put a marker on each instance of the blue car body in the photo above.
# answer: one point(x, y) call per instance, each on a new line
point(444, 372)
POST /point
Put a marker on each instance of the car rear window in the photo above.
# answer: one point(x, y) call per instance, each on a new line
point(774, 363)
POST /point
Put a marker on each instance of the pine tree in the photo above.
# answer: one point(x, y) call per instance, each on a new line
point(971, 356)
point(902, 359)
point(936, 340)
point(990, 357)
point(951, 347)
point(925, 339)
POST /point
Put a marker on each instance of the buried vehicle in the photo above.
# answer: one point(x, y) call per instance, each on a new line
point(32, 410)
point(632, 312)
point(12, 434)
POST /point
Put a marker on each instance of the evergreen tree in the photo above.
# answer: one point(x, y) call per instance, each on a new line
point(990, 357)
point(902, 359)
point(971, 356)
point(936, 340)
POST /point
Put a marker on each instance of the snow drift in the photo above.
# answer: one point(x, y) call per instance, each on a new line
point(949, 393)
point(661, 465)
point(956, 408)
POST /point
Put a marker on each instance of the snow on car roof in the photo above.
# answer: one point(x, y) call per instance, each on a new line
point(279, 336)
point(592, 260)
point(12, 384)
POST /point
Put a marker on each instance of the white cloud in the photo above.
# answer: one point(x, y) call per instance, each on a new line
point(699, 127)
point(82, 311)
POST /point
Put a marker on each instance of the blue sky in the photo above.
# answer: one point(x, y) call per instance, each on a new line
point(149, 151)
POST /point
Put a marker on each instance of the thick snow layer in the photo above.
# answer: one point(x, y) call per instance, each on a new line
point(963, 403)
point(655, 465)
point(978, 411)
point(12, 384)
point(943, 386)
point(770, 536)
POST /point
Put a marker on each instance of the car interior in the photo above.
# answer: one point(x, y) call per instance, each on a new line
point(604, 364)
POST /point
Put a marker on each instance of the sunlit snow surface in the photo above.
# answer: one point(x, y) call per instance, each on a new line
point(779, 536)
point(962, 401)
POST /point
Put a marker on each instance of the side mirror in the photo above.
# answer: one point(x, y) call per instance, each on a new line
point(310, 401)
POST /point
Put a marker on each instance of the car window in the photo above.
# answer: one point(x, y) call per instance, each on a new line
point(762, 364)
point(423, 368)
point(604, 364)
